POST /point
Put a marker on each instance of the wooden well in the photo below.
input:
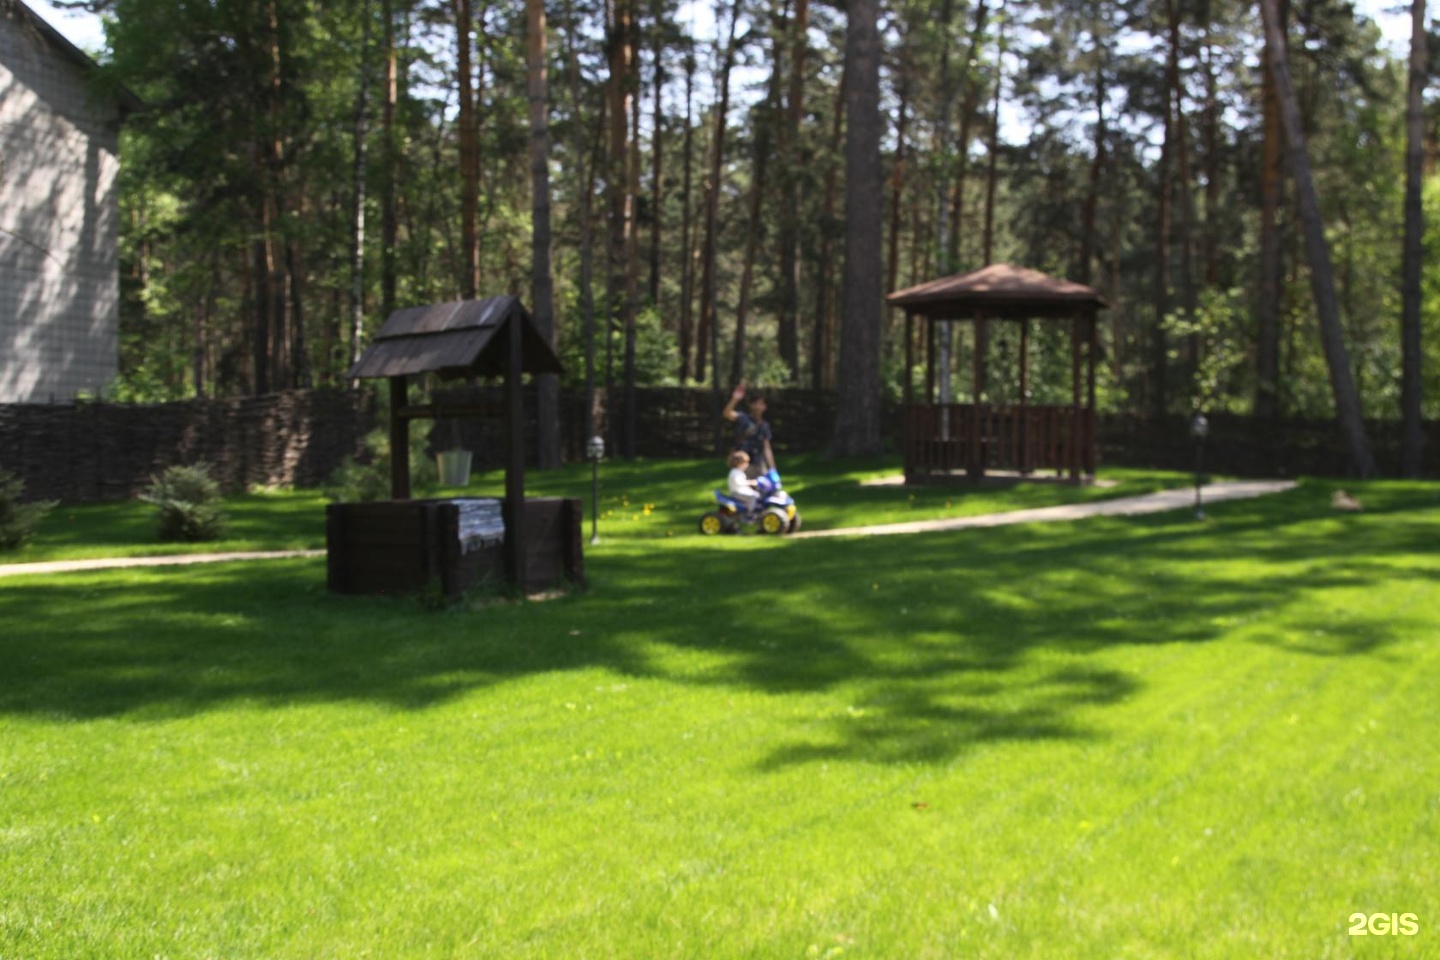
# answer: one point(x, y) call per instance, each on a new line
point(403, 545)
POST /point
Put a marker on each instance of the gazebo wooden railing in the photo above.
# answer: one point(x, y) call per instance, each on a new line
point(944, 440)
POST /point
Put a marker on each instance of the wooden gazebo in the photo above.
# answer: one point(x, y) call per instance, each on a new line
point(942, 439)
point(402, 545)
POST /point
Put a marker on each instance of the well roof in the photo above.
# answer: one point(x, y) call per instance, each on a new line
point(454, 340)
point(999, 287)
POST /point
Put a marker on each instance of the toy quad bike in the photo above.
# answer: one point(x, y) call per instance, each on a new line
point(774, 510)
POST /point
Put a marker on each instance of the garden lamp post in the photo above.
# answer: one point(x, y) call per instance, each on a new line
point(596, 451)
point(1199, 429)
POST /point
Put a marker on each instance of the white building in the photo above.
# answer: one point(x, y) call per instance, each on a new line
point(59, 215)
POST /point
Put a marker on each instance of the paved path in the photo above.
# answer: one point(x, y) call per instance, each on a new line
point(1120, 507)
point(107, 563)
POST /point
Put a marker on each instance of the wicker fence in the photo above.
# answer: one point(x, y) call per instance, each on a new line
point(100, 451)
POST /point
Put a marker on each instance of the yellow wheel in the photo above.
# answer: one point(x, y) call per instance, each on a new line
point(773, 522)
point(710, 524)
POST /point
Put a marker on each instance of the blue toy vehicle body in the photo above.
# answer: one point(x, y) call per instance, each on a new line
point(774, 510)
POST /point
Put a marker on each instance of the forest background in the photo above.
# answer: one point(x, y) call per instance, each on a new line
point(303, 167)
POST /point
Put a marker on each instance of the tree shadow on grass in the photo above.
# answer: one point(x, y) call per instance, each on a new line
point(926, 645)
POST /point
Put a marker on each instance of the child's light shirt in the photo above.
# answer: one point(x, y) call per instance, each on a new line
point(740, 485)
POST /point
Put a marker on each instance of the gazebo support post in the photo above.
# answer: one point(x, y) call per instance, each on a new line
point(930, 361)
point(1091, 350)
point(975, 466)
point(907, 411)
point(399, 441)
point(909, 356)
point(1075, 400)
point(1024, 412)
point(514, 456)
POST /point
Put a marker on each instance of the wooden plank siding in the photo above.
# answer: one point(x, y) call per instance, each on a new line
point(941, 439)
point(403, 547)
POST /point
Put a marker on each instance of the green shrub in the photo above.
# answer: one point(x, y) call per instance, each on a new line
point(187, 502)
point(356, 482)
point(18, 520)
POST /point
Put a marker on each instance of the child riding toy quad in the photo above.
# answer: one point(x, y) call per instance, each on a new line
point(774, 510)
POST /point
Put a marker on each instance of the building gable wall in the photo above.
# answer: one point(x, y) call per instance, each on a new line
point(59, 223)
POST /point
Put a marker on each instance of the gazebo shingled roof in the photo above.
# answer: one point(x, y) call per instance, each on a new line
point(997, 290)
point(941, 436)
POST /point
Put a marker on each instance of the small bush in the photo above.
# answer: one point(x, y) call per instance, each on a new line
point(356, 482)
point(18, 520)
point(187, 502)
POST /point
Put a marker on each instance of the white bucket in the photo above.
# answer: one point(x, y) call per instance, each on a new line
point(454, 467)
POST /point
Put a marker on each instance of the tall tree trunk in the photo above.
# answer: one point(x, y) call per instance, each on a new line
point(617, 180)
point(764, 123)
point(1092, 192)
point(300, 350)
point(687, 268)
point(1210, 252)
point(587, 149)
point(280, 316)
point(542, 306)
point(821, 341)
point(657, 169)
point(261, 303)
point(897, 172)
point(200, 347)
point(1185, 193)
point(389, 221)
point(790, 149)
point(469, 152)
point(1158, 393)
point(357, 212)
point(857, 400)
point(993, 160)
point(1411, 453)
point(1267, 312)
point(632, 235)
point(1322, 278)
point(587, 265)
point(969, 103)
point(947, 215)
point(708, 332)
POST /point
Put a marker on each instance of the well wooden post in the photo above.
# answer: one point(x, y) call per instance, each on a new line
point(399, 441)
point(514, 452)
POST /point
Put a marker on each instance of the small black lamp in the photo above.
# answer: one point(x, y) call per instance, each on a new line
point(595, 450)
point(1199, 429)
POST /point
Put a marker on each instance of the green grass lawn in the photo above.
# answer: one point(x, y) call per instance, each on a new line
point(638, 499)
point(268, 520)
point(1143, 737)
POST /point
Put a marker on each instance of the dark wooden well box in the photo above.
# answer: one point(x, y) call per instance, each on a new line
point(401, 546)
